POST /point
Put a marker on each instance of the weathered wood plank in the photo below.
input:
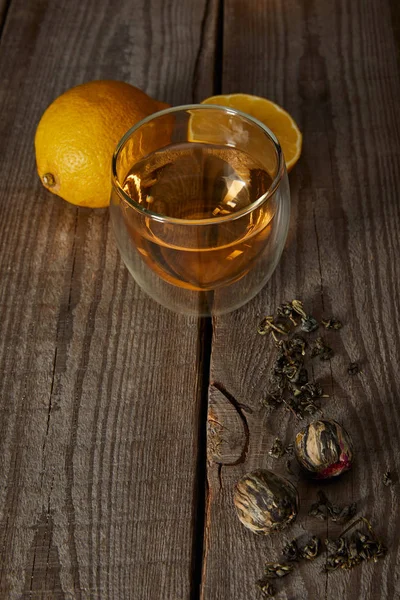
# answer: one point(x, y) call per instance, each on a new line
point(98, 385)
point(333, 66)
point(4, 5)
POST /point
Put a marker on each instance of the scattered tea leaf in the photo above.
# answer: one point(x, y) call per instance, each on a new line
point(270, 402)
point(288, 383)
point(312, 390)
point(265, 325)
point(279, 328)
point(387, 479)
point(346, 553)
point(286, 310)
point(298, 344)
point(302, 406)
point(353, 368)
point(277, 570)
point(267, 589)
point(321, 349)
point(277, 450)
point(289, 466)
point(289, 450)
point(291, 551)
point(299, 308)
point(311, 549)
point(270, 325)
point(324, 509)
point(309, 324)
point(332, 323)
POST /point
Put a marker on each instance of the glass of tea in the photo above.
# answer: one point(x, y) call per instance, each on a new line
point(200, 207)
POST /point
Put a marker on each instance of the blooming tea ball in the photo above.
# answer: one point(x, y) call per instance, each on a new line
point(324, 449)
point(265, 502)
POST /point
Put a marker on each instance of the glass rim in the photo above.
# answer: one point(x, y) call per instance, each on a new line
point(210, 220)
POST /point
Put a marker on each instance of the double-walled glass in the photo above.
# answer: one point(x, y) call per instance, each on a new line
point(202, 224)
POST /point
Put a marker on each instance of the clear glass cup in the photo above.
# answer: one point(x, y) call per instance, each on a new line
point(200, 207)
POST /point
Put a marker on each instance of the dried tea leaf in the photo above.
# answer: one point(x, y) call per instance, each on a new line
point(299, 308)
point(344, 513)
point(291, 551)
point(319, 510)
point(324, 509)
point(288, 382)
point(332, 323)
point(269, 325)
point(298, 344)
point(277, 570)
point(321, 349)
point(346, 553)
point(387, 479)
point(279, 327)
point(289, 450)
point(277, 450)
point(270, 402)
point(303, 402)
point(353, 368)
point(311, 549)
point(267, 589)
point(286, 310)
point(309, 324)
point(313, 390)
point(265, 325)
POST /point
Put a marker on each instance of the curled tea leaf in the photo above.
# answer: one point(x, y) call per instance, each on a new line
point(267, 589)
point(353, 368)
point(343, 513)
point(336, 546)
point(324, 509)
point(279, 328)
point(271, 401)
point(265, 325)
point(277, 450)
point(269, 325)
point(289, 375)
point(289, 466)
point(312, 390)
point(298, 344)
point(304, 399)
point(286, 311)
point(309, 324)
point(332, 323)
point(319, 509)
point(291, 551)
point(387, 479)
point(321, 349)
point(298, 307)
point(277, 570)
point(289, 450)
point(346, 553)
point(311, 549)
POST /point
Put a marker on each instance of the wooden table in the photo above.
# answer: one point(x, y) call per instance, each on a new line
point(105, 491)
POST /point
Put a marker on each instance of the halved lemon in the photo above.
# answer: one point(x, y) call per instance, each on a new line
point(273, 116)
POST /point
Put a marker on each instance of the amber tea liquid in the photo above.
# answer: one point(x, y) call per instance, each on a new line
point(195, 182)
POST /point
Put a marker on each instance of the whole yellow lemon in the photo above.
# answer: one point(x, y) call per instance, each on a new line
point(78, 133)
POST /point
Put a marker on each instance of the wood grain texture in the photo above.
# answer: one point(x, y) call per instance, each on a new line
point(4, 5)
point(333, 65)
point(98, 385)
